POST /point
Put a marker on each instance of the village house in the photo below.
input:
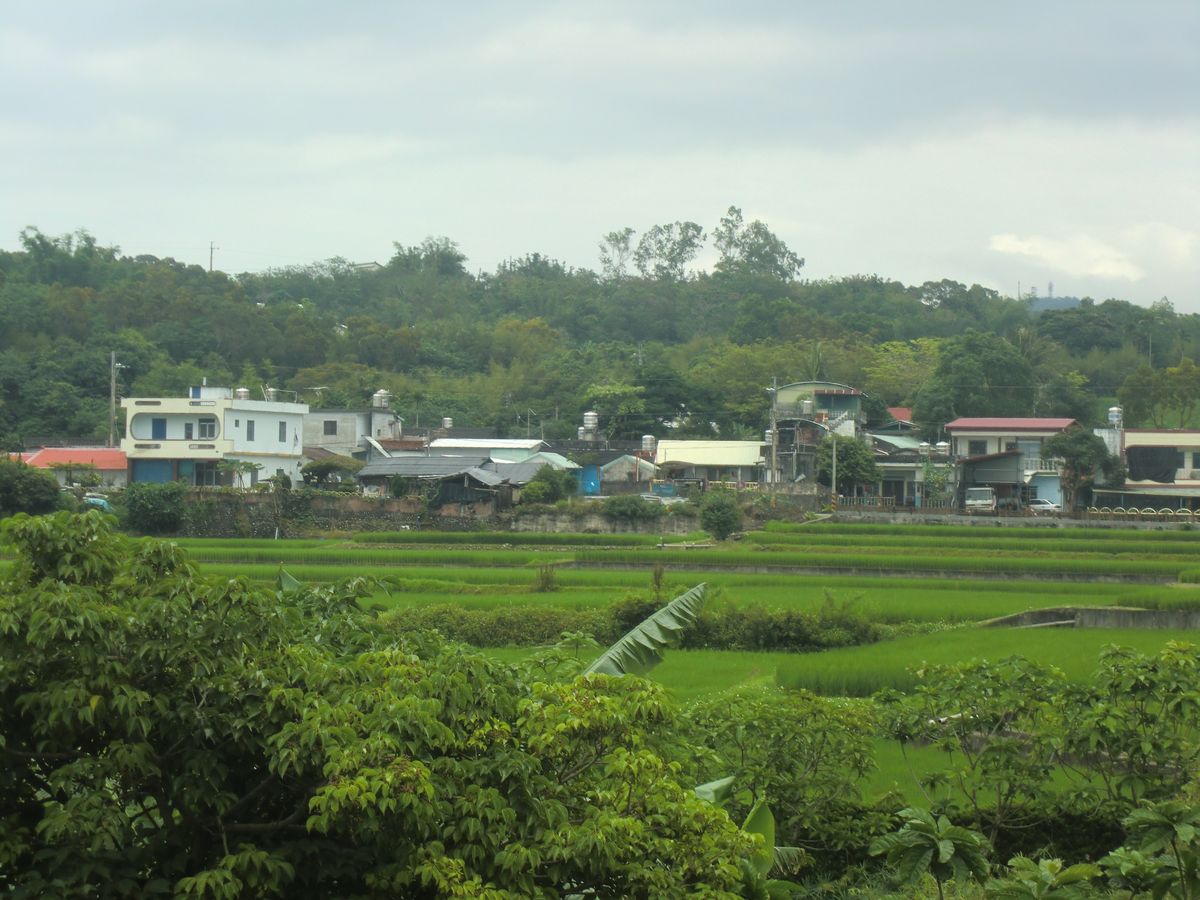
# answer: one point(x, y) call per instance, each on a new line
point(1007, 455)
point(88, 466)
point(188, 438)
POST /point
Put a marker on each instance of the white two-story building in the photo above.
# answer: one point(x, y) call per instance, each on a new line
point(186, 438)
point(1007, 454)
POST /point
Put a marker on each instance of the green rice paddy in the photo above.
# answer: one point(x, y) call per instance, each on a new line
point(925, 575)
point(861, 671)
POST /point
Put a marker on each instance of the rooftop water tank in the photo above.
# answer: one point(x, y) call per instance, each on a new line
point(580, 433)
point(806, 407)
point(648, 443)
point(447, 423)
point(381, 398)
point(768, 436)
point(271, 393)
point(242, 394)
point(591, 419)
point(1115, 415)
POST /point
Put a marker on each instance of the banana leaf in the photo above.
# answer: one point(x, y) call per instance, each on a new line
point(288, 583)
point(640, 650)
point(715, 792)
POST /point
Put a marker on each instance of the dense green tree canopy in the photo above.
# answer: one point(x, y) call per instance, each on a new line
point(536, 334)
point(164, 733)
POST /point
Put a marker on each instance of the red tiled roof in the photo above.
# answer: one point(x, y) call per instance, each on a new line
point(1010, 424)
point(900, 413)
point(101, 457)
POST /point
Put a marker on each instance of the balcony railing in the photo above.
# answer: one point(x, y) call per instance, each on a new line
point(1042, 464)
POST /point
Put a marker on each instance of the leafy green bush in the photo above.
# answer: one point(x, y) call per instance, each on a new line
point(631, 508)
point(719, 627)
point(26, 489)
point(552, 484)
point(155, 508)
point(720, 515)
point(537, 492)
point(146, 713)
point(504, 626)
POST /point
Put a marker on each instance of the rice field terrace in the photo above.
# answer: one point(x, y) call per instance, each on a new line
point(862, 671)
point(910, 578)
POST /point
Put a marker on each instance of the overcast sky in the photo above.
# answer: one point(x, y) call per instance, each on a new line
point(1029, 142)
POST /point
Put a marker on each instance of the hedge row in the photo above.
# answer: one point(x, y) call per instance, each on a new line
point(1010, 565)
point(997, 531)
point(723, 626)
point(974, 541)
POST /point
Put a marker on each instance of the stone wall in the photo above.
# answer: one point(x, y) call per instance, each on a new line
point(594, 523)
point(1103, 617)
point(298, 513)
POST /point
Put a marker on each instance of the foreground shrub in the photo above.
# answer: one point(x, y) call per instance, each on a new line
point(155, 508)
point(167, 734)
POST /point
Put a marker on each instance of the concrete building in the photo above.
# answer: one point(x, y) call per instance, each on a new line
point(353, 432)
point(186, 438)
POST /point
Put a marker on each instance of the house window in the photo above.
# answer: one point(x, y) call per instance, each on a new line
point(330, 426)
point(208, 428)
point(1180, 459)
point(976, 448)
point(249, 429)
point(283, 432)
point(188, 429)
point(206, 472)
point(1010, 445)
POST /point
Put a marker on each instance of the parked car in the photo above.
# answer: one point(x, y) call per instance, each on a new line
point(96, 501)
point(1042, 505)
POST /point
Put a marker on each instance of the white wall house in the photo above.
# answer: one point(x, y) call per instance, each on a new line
point(184, 438)
point(985, 436)
point(1008, 454)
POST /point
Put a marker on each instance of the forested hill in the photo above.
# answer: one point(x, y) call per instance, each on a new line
point(651, 346)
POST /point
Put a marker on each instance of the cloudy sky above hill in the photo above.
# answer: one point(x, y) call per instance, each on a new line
point(1027, 142)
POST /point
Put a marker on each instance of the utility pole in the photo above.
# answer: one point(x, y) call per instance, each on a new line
point(773, 390)
point(112, 399)
point(833, 474)
point(211, 247)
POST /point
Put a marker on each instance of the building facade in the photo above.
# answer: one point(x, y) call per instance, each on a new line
point(188, 438)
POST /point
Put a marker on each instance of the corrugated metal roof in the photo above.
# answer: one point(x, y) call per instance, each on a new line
point(899, 441)
point(1017, 424)
point(105, 458)
point(544, 458)
point(533, 444)
point(709, 453)
point(515, 473)
point(420, 466)
point(483, 476)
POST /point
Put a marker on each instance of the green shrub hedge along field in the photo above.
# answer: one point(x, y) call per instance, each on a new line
point(1000, 532)
point(689, 674)
point(987, 540)
point(861, 671)
point(1015, 565)
point(525, 538)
